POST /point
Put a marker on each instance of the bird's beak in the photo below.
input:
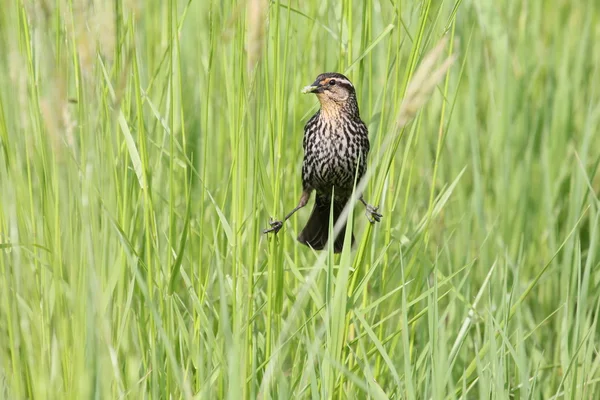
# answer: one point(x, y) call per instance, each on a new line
point(314, 88)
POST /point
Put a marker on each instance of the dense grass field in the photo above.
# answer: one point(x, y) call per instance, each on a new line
point(145, 145)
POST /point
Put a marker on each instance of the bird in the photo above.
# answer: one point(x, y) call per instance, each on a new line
point(336, 146)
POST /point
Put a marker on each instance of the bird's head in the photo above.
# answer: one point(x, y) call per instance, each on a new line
point(334, 91)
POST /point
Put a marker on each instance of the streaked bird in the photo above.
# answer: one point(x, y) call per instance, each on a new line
point(336, 145)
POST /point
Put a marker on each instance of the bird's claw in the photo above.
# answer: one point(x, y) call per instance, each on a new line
point(372, 214)
point(275, 226)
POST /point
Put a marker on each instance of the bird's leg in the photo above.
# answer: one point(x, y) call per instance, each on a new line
point(277, 225)
point(371, 212)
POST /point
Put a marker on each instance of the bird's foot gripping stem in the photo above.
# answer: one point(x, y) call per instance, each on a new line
point(372, 214)
point(275, 226)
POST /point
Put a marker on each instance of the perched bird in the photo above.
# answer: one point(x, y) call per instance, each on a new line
point(336, 145)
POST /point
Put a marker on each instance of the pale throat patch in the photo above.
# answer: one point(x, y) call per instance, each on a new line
point(329, 107)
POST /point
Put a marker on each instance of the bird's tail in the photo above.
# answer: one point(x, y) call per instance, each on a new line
point(316, 231)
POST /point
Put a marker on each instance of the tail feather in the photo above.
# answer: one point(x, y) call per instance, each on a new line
point(316, 231)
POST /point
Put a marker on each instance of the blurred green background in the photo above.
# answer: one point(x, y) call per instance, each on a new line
point(144, 146)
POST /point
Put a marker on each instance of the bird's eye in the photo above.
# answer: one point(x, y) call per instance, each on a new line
point(332, 82)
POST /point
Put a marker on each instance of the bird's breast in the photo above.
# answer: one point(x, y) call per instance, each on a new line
point(334, 151)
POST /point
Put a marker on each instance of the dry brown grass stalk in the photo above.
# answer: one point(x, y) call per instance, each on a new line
point(423, 81)
point(256, 14)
